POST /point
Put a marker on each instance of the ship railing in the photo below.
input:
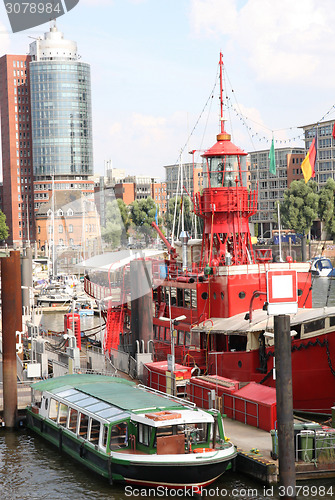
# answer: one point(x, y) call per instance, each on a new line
point(238, 409)
point(184, 402)
point(315, 445)
point(190, 355)
point(23, 394)
point(98, 357)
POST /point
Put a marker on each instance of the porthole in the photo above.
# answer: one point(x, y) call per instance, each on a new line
point(239, 364)
point(300, 292)
point(214, 296)
point(241, 295)
point(222, 295)
point(204, 295)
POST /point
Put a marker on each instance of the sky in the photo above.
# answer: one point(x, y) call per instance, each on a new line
point(154, 65)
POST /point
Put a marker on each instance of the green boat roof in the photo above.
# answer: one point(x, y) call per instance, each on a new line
point(116, 391)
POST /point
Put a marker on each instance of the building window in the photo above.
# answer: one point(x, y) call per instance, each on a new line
point(70, 228)
point(60, 228)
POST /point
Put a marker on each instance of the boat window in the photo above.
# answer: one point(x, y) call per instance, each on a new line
point(83, 425)
point(104, 436)
point(216, 172)
point(73, 420)
point(144, 432)
point(62, 417)
point(173, 296)
point(187, 338)
point(53, 410)
point(89, 401)
point(167, 334)
point(196, 339)
point(119, 435)
point(312, 326)
point(180, 297)
point(166, 295)
point(332, 321)
point(98, 406)
point(94, 431)
point(76, 397)
point(187, 298)
point(166, 431)
point(237, 342)
point(161, 332)
point(193, 299)
point(68, 392)
point(197, 432)
point(180, 338)
point(112, 414)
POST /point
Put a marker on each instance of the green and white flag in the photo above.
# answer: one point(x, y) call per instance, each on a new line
point(272, 159)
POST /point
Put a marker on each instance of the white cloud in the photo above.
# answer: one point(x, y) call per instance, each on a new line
point(4, 40)
point(290, 41)
point(142, 144)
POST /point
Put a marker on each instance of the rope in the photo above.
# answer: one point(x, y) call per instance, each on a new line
point(309, 344)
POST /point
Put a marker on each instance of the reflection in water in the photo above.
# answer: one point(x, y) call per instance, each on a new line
point(323, 290)
point(33, 469)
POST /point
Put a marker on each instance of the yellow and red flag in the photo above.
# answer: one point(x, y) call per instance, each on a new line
point(308, 165)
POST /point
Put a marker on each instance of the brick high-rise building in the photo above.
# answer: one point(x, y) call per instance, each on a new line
point(16, 135)
point(46, 128)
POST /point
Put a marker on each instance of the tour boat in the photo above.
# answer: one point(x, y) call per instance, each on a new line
point(131, 433)
point(220, 293)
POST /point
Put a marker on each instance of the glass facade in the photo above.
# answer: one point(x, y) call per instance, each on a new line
point(61, 118)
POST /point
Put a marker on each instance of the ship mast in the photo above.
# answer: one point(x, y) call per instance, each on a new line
point(226, 202)
point(221, 96)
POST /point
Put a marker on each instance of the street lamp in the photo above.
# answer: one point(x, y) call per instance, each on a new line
point(173, 334)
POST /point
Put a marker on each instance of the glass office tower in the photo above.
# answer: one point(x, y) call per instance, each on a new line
point(61, 112)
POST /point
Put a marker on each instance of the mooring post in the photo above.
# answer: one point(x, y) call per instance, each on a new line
point(282, 339)
point(141, 302)
point(11, 305)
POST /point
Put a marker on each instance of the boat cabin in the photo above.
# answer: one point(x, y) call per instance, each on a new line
point(171, 426)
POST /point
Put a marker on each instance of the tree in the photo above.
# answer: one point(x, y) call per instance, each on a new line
point(112, 232)
point(300, 206)
point(185, 209)
point(4, 230)
point(125, 216)
point(143, 213)
point(326, 205)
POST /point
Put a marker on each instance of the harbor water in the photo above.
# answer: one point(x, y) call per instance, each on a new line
point(33, 469)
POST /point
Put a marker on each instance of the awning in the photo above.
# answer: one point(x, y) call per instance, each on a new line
point(112, 261)
point(260, 321)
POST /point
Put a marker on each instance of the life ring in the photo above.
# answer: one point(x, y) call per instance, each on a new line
point(203, 450)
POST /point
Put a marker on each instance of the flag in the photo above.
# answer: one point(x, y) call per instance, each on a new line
point(333, 133)
point(308, 165)
point(156, 216)
point(272, 159)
